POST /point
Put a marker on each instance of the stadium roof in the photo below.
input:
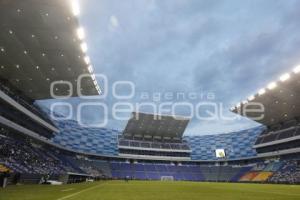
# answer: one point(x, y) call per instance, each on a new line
point(40, 42)
point(280, 99)
point(142, 125)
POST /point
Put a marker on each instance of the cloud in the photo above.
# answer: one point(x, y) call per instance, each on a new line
point(231, 48)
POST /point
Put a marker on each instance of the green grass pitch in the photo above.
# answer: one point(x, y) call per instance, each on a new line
point(152, 190)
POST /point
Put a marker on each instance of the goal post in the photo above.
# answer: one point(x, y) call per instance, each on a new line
point(167, 178)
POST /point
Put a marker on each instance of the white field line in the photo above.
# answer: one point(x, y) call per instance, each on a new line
point(66, 190)
point(77, 193)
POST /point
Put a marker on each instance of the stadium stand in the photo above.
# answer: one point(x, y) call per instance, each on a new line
point(145, 171)
point(99, 141)
point(23, 157)
point(154, 136)
point(262, 177)
point(288, 173)
point(281, 118)
point(33, 161)
point(32, 145)
point(237, 144)
point(248, 176)
point(92, 167)
point(4, 169)
point(243, 170)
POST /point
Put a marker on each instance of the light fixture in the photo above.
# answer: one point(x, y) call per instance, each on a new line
point(285, 77)
point(297, 69)
point(252, 97)
point(261, 91)
point(90, 68)
point(272, 85)
point(87, 60)
point(80, 33)
point(84, 47)
point(95, 82)
point(75, 7)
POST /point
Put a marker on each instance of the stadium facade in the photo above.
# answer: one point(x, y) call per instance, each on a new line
point(39, 45)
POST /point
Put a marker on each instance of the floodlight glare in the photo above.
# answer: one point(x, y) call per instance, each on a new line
point(285, 77)
point(297, 69)
point(95, 82)
point(90, 68)
point(75, 7)
point(84, 47)
point(272, 85)
point(87, 60)
point(80, 33)
point(262, 91)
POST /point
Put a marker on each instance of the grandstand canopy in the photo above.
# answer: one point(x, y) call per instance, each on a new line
point(281, 103)
point(142, 125)
point(39, 45)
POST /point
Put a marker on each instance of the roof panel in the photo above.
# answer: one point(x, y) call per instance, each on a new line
point(40, 38)
point(281, 104)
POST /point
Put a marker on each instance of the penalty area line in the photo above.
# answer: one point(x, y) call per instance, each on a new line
point(77, 193)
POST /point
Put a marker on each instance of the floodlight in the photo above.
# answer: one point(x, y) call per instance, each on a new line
point(84, 47)
point(285, 77)
point(262, 91)
point(80, 33)
point(272, 85)
point(297, 69)
point(75, 7)
point(87, 60)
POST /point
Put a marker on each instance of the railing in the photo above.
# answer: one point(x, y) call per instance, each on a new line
point(153, 145)
point(24, 102)
point(278, 136)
